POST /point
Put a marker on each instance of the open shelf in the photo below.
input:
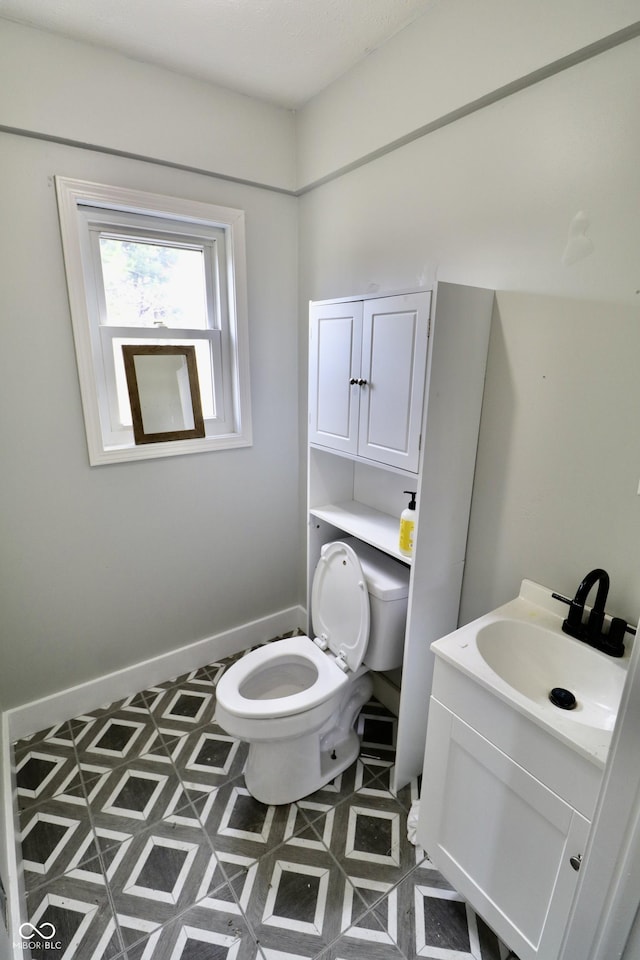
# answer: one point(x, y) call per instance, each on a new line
point(357, 519)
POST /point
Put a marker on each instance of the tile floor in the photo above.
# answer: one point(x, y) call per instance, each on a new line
point(139, 841)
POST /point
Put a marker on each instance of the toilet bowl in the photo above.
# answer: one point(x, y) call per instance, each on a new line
point(295, 701)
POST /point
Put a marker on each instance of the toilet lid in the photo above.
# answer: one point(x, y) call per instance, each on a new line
point(340, 603)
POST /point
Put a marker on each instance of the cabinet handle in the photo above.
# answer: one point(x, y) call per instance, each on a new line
point(362, 383)
point(575, 861)
point(353, 381)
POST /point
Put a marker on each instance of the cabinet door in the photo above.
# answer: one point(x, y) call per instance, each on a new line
point(335, 348)
point(394, 362)
point(499, 836)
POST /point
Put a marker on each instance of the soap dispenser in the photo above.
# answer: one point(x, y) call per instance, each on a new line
point(407, 524)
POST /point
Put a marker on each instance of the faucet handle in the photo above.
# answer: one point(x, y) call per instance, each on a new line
point(573, 623)
point(613, 642)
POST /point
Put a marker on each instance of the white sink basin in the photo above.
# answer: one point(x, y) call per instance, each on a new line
point(520, 654)
point(534, 660)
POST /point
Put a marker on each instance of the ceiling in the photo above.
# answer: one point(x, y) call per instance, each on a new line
point(281, 51)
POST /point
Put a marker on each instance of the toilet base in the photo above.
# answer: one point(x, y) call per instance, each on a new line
point(279, 771)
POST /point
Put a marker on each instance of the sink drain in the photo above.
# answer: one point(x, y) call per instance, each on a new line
point(562, 698)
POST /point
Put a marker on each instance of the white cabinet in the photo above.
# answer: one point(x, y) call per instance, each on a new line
point(367, 376)
point(503, 828)
point(412, 424)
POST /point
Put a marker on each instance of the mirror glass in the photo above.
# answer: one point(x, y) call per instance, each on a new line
point(163, 391)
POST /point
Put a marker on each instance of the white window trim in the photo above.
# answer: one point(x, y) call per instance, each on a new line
point(73, 194)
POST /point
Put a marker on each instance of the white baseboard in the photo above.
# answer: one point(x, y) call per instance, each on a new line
point(47, 712)
point(58, 707)
point(11, 876)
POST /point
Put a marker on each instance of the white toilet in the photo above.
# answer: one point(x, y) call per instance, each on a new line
point(295, 701)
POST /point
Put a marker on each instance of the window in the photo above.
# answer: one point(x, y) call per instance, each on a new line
point(145, 270)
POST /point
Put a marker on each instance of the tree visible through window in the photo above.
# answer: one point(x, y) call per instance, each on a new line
point(149, 284)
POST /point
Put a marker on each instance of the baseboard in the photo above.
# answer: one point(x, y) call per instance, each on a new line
point(9, 938)
point(47, 712)
point(58, 707)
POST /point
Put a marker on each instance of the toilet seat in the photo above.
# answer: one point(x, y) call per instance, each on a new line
point(340, 605)
point(300, 673)
point(325, 679)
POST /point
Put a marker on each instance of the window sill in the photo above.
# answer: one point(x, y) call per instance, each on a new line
point(172, 448)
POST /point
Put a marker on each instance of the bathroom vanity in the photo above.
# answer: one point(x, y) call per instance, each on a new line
point(510, 780)
point(395, 393)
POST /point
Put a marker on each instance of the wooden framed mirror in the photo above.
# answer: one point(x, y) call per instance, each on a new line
point(164, 392)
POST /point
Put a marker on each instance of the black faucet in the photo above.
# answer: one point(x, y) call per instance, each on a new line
point(593, 630)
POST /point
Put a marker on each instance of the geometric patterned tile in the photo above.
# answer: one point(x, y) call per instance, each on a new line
point(84, 924)
point(369, 838)
point(440, 924)
point(211, 753)
point(51, 836)
point(208, 755)
point(120, 737)
point(141, 842)
point(190, 804)
point(115, 738)
point(200, 934)
point(35, 771)
point(216, 892)
point(43, 838)
point(245, 818)
point(377, 730)
point(42, 771)
point(444, 924)
point(59, 735)
point(133, 796)
point(160, 874)
point(187, 706)
point(373, 835)
point(162, 869)
point(299, 831)
point(296, 902)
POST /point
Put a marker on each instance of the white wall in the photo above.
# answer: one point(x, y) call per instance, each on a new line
point(458, 52)
point(104, 567)
point(488, 201)
point(58, 87)
point(558, 466)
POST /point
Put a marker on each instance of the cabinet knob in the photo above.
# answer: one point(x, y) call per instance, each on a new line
point(353, 381)
point(362, 383)
point(575, 861)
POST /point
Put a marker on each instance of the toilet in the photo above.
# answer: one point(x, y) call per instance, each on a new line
point(295, 701)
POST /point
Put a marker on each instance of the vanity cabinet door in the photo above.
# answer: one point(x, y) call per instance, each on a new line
point(499, 836)
point(335, 347)
point(394, 361)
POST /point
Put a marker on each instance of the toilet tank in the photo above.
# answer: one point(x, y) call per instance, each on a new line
point(388, 586)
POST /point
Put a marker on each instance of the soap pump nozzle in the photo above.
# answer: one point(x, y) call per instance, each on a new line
point(412, 502)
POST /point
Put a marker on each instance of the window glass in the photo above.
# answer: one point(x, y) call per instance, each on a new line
point(152, 284)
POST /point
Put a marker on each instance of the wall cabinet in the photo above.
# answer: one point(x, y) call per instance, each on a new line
point(367, 377)
point(412, 424)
